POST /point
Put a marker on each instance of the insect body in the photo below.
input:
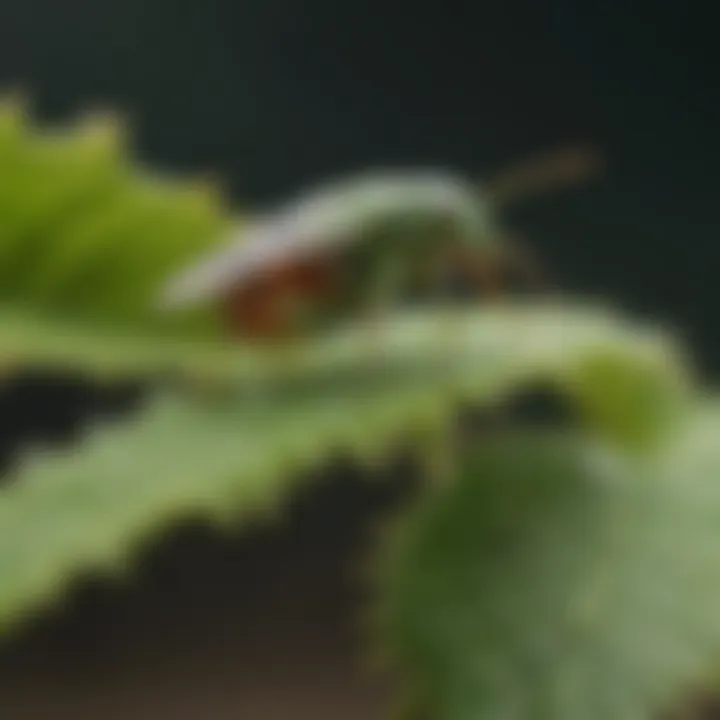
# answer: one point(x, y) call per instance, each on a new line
point(349, 247)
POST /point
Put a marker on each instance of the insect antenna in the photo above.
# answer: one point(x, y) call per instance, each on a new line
point(568, 166)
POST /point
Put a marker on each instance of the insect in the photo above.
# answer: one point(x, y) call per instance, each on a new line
point(360, 244)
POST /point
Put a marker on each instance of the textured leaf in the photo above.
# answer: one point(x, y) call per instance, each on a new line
point(83, 510)
point(85, 231)
point(224, 454)
point(625, 376)
point(556, 581)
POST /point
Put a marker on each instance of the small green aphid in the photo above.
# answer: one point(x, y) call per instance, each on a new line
point(359, 245)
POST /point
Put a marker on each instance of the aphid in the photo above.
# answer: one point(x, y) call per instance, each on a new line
point(360, 244)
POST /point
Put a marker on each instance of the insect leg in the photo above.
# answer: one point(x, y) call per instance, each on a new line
point(490, 271)
point(564, 167)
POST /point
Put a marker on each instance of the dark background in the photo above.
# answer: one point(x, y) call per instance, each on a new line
point(274, 94)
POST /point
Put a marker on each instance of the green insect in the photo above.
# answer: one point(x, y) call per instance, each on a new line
point(361, 245)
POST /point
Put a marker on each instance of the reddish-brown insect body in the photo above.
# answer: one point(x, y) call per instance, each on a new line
point(267, 306)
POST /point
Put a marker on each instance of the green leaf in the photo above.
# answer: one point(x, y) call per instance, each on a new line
point(626, 377)
point(556, 580)
point(86, 232)
point(224, 455)
point(84, 509)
